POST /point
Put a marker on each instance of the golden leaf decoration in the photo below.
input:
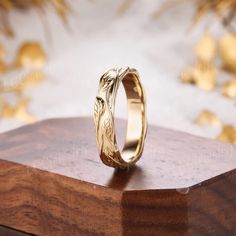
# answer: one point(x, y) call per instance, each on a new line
point(31, 54)
point(16, 79)
point(208, 118)
point(28, 81)
point(224, 9)
point(203, 75)
point(6, 4)
point(200, 12)
point(187, 75)
point(41, 6)
point(19, 111)
point(61, 8)
point(229, 88)
point(205, 49)
point(228, 134)
point(2, 52)
point(32, 79)
point(3, 67)
point(227, 48)
point(126, 4)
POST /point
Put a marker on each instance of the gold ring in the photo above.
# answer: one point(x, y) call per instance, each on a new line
point(104, 118)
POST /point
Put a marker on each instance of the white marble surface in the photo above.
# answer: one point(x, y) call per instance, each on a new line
point(99, 39)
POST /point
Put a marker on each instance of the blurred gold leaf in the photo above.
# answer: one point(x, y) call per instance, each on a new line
point(26, 4)
point(187, 76)
point(200, 12)
point(2, 52)
point(19, 111)
point(228, 134)
point(227, 48)
point(32, 79)
point(31, 54)
point(3, 67)
point(7, 31)
point(224, 9)
point(203, 75)
point(229, 88)
point(208, 117)
point(124, 6)
point(165, 6)
point(28, 81)
point(205, 49)
point(61, 7)
point(6, 4)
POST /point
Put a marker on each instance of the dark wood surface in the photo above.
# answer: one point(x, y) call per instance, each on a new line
point(5, 231)
point(52, 182)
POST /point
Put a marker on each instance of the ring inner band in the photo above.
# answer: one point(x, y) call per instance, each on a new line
point(136, 118)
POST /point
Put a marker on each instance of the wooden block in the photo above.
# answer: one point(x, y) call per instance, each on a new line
point(52, 182)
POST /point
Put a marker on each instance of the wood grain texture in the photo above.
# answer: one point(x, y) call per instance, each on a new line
point(53, 183)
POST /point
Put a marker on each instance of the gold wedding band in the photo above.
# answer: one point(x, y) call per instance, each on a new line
point(104, 118)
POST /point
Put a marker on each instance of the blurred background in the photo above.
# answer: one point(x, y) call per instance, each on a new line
point(52, 54)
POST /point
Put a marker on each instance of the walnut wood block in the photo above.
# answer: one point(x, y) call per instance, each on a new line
point(52, 182)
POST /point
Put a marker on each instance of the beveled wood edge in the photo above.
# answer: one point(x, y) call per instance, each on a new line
point(180, 190)
point(55, 174)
